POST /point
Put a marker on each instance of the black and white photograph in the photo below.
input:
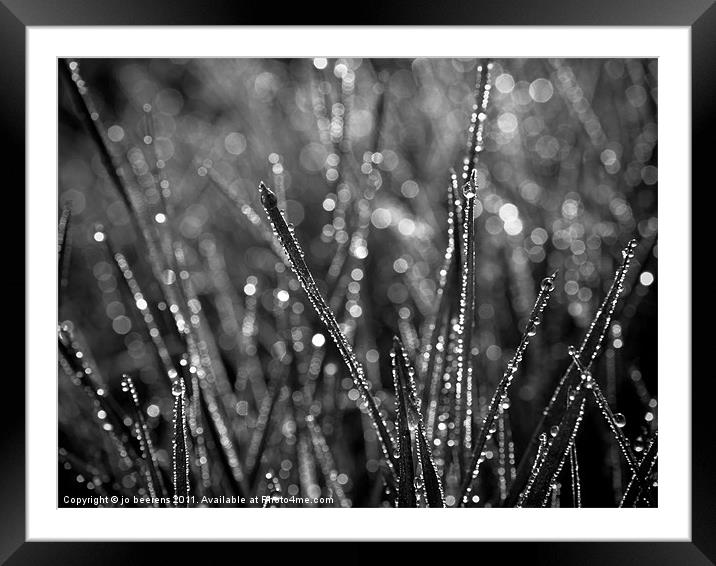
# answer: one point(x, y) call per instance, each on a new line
point(357, 282)
point(316, 280)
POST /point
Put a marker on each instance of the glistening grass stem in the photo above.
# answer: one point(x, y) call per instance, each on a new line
point(295, 253)
point(466, 318)
point(546, 288)
point(589, 350)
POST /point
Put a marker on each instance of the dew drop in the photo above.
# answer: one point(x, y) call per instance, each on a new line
point(469, 189)
point(547, 284)
point(553, 431)
point(619, 419)
point(588, 380)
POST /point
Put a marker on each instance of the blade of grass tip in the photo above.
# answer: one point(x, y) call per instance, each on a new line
point(543, 476)
point(588, 352)
point(295, 254)
point(574, 474)
point(410, 422)
point(501, 393)
point(63, 250)
point(635, 488)
point(248, 212)
point(180, 454)
point(463, 377)
point(155, 484)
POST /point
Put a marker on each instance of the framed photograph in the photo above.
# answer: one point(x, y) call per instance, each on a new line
point(425, 278)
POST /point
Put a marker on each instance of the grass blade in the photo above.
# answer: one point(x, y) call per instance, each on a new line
point(500, 395)
point(574, 474)
point(180, 454)
point(293, 249)
point(587, 353)
point(466, 318)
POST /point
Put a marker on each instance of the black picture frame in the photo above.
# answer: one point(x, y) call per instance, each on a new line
point(17, 15)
